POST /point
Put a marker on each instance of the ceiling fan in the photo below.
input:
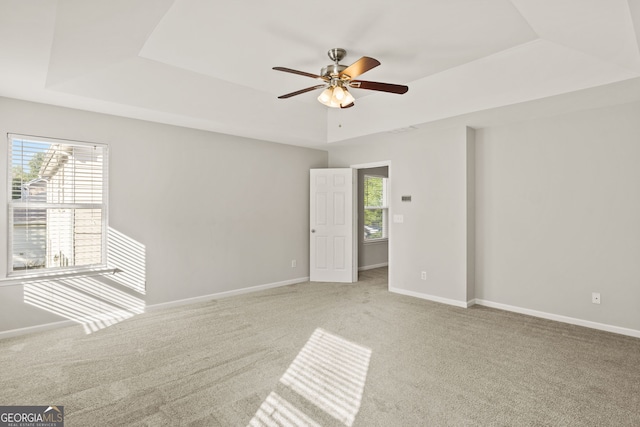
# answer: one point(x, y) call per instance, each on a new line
point(337, 78)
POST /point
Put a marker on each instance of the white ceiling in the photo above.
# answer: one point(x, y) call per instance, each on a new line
point(207, 64)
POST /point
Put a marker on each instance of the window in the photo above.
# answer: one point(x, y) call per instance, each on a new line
point(375, 208)
point(57, 205)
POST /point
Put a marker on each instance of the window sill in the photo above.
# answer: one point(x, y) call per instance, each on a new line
point(375, 241)
point(27, 278)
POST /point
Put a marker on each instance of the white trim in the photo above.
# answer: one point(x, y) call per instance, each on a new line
point(434, 298)
point(225, 294)
point(37, 328)
point(18, 279)
point(356, 233)
point(559, 318)
point(156, 307)
point(375, 241)
point(372, 165)
point(371, 267)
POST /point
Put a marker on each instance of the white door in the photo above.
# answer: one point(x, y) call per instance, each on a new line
point(333, 250)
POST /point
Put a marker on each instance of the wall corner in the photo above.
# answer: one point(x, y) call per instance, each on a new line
point(471, 212)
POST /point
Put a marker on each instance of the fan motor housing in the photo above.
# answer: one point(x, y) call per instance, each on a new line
point(332, 70)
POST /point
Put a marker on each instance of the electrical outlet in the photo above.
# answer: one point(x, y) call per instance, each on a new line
point(294, 264)
point(595, 297)
point(423, 275)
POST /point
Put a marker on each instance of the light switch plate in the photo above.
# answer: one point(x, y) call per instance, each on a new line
point(398, 219)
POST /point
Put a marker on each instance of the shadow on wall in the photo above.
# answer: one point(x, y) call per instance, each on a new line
point(326, 378)
point(97, 302)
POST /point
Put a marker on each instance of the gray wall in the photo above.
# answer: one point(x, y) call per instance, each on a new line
point(214, 212)
point(431, 166)
point(558, 215)
point(531, 216)
point(370, 253)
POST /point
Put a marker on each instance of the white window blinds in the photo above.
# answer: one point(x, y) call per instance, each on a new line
point(57, 204)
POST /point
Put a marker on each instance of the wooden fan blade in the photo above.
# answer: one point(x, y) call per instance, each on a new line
point(361, 66)
point(298, 92)
point(348, 106)
point(300, 73)
point(382, 87)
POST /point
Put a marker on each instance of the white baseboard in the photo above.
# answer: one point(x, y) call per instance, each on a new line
point(155, 307)
point(559, 318)
point(448, 301)
point(37, 328)
point(371, 267)
point(225, 294)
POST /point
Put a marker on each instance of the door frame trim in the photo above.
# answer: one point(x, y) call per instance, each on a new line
point(356, 234)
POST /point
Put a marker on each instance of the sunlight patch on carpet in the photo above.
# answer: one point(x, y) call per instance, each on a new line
point(330, 373)
point(84, 300)
point(276, 411)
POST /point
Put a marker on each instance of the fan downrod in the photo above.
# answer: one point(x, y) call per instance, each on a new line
point(332, 71)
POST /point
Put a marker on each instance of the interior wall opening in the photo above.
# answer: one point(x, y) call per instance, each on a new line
point(373, 217)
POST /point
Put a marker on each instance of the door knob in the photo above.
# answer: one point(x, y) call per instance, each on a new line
point(313, 231)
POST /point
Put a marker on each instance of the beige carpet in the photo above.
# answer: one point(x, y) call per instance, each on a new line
point(328, 354)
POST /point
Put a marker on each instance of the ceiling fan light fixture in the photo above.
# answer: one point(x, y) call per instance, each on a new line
point(326, 96)
point(348, 98)
point(335, 97)
point(337, 78)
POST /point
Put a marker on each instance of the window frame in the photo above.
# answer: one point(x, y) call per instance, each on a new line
point(384, 208)
point(11, 205)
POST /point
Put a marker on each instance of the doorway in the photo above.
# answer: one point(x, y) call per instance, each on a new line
point(373, 210)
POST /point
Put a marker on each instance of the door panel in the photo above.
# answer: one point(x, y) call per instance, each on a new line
point(332, 245)
point(321, 208)
point(321, 253)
